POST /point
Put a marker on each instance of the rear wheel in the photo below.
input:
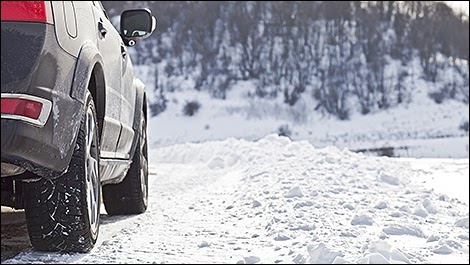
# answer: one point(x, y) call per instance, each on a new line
point(131, 195)
point(63, 214)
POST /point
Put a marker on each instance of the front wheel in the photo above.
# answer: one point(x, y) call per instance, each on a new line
point(63, 214)
point(131, 195)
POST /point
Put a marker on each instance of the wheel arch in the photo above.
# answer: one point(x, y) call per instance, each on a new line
point(89, 76)
point(140, 104)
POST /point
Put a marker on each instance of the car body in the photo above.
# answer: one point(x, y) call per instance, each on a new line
point(73, 116)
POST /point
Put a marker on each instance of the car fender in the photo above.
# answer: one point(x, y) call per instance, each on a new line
point(88, 58)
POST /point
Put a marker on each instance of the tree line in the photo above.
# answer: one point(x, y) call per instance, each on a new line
point(333, 51)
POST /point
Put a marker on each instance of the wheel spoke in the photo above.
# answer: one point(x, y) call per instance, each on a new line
point(91, 171)
point(143, 160)
point(92, 185)
point(90, 134)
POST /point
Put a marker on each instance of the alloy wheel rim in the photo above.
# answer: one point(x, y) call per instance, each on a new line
point(144, 162)
point(91, 171)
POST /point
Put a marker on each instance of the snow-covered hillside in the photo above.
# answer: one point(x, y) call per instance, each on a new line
point(280, 201)
point(386, 78)
point(420, 128)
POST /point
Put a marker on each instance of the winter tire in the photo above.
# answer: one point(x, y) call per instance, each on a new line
point(131, 195)
point(62, 214)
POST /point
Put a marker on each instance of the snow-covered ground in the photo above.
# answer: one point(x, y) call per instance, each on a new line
point(225, 188)
point(419, 128)
point(280, 201)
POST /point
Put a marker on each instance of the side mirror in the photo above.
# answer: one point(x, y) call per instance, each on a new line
point(137, 24)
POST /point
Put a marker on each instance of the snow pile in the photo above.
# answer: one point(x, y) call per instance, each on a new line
point(325, 205)
point(462, 223)
point(362, 219)
point(321, 254)
point(279, 201)
point(383, 253)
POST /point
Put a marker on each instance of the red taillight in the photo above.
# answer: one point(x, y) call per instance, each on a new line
point(21, 107)
point(36, 11)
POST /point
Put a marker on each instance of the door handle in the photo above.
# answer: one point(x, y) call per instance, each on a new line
point(123, 52)
point(102, 29)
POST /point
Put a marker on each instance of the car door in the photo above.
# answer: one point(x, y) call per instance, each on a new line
point(127, 104)
point(109, 45)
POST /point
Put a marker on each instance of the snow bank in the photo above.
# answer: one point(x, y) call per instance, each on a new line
point(326, 195)
point(279, 201)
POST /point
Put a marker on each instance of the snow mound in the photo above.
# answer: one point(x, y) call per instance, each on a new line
point(322, 254)
point(281, 238)
point(388, 178)
point(433, 238)
point(299, 259)
point(251, 259)
point(462, 223)
point(203, 244)
point(429, 206)
point(303, 204)
point(444, 250)
point(362, 219)
point(216, 162)
point(419, 210)
point(396, 229)
point(453, 244)
point(381, 205)
point(294, 192)
point(277, 201)
point(381, 252)
point(256, 203)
